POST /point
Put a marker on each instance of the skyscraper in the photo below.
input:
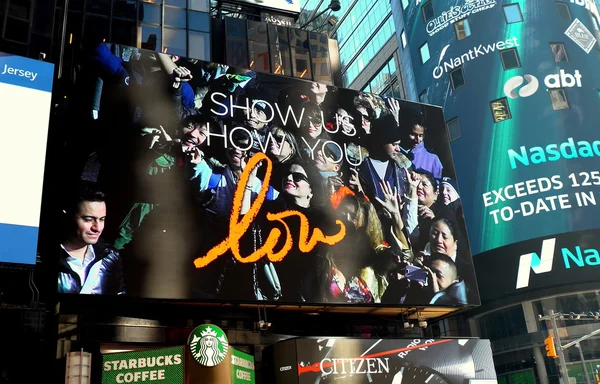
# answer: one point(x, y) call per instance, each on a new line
point(367, 43)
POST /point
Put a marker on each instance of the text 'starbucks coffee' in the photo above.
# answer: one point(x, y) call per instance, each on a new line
point(208, 345)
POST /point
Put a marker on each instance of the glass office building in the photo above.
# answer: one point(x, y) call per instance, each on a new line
point(367, 43)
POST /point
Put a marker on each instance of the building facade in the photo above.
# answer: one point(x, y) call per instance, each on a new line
point(512, 75)
point(367, 43)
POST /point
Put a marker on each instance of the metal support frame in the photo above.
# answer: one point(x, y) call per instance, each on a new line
point(561, 348)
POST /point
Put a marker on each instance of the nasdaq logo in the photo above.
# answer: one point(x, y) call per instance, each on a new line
point(576, 257)
point(538, 264)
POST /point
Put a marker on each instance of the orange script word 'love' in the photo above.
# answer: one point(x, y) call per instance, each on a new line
point(237, 227)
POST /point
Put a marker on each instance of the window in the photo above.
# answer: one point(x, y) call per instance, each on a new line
point(500, 110)
point(199, 5)
point(199, 45)
point(559, 99)
point(151, 37)
point(17, 20)
point(359, 50)
point(510, 58)
point(95, 28)
point(563, 11)
point(383, 79)
point(512, 13)
point(423, 96)
point(125, 9)
point(16, 30)
point(319, 52)
point(596, 23)
point(176, 3)
point(124, 32)
point(101, 7)
point(258, 48)
point(259, 56)
point(175, 17)
point(559, 52)
point(427, 11)
point(462, 29)
point(404, 4)
point(403, 38)
point(300, 55)
point(453, 127)
point(150, 13)
point(236, 43)
point(396, 91)
point(280, 50)
point(457, 77)
point(175, 41)
point(503, 323)
point(199, 21)
point(577, 303)
point(424, 51)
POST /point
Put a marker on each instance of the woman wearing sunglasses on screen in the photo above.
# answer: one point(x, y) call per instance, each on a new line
point(282, 149)
point(300, 275)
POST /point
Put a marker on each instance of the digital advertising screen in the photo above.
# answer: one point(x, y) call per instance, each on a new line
point(381, 361)
point(524, 140)
point(199, 181)
point(25, 86)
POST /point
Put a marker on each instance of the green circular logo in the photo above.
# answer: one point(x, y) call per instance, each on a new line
point(208, 345)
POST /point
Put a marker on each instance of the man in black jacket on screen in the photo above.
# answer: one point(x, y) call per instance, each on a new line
point(86, 265)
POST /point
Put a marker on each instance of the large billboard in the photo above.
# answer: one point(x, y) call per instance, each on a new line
point(382, 361)
point(525, 142)
point(198, 181)
point(25, 86)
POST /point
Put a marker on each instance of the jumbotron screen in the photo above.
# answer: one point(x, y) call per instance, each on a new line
point(199, 181)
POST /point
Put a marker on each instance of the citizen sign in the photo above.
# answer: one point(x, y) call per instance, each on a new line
point(355, 366)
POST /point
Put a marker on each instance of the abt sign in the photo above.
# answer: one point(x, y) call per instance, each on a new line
point(563, 80)
point(525, 86)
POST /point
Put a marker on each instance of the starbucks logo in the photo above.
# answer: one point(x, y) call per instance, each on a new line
point(208, 345)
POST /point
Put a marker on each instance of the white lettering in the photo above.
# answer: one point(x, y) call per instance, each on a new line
point(323, 369)
point(359, 365)
point(19, 73)
point(212, 98)
point(471, 54)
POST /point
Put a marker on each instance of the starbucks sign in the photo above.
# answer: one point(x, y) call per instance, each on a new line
point(164, 365)
point(208, 345)
point(242, 365)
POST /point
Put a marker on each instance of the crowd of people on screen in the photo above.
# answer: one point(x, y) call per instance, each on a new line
point(336, 155)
